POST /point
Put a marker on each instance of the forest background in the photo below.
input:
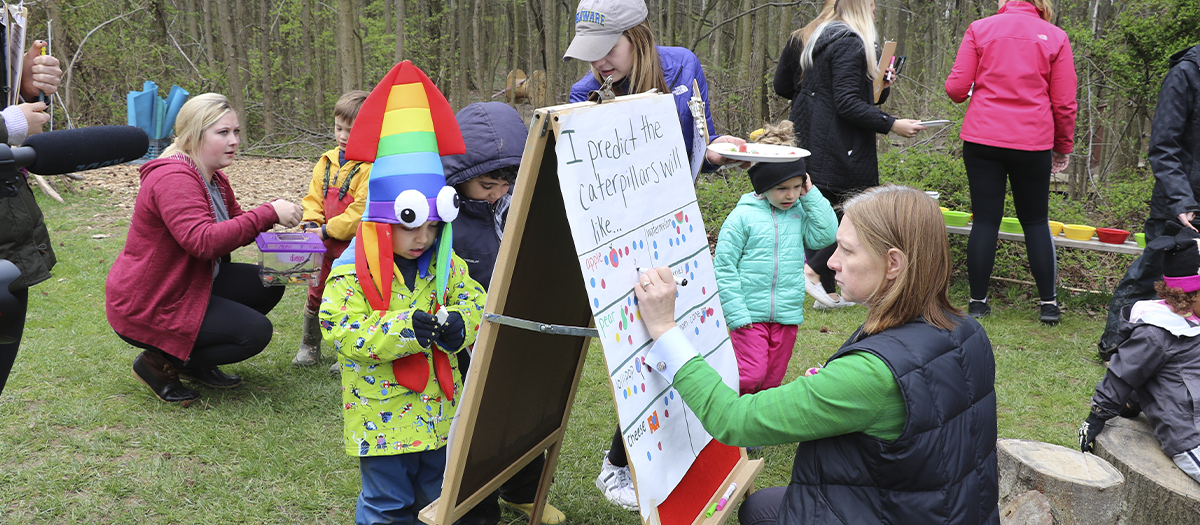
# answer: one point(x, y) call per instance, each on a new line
point(283, 63)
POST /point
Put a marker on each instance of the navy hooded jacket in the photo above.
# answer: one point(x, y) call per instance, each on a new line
point(494, 135)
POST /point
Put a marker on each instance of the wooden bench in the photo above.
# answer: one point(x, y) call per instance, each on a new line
point(1129, 247)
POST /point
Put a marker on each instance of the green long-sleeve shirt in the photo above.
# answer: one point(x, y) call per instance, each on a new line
point(854, 393)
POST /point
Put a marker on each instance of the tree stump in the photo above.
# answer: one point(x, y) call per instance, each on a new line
point(1082, 488)
point(1157, 492)
point(1030, 508)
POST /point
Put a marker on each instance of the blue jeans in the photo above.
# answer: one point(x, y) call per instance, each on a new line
point(396, 488)
point(1137, 285)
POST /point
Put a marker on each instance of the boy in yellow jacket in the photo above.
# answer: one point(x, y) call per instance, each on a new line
point(332, 209)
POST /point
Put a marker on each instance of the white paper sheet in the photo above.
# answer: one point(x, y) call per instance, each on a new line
point(627, 188)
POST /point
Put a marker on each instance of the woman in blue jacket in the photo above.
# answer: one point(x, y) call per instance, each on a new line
point(613, 36)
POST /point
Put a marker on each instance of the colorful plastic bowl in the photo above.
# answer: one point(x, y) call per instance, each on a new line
point(955, 218)
point(1140, 239)
point(1112, 235)
point(1056, 227)
point(1078, 232)
point(1011, 225)
point(943, 208)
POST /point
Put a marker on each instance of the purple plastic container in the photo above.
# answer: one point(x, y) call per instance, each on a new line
point(289, 258)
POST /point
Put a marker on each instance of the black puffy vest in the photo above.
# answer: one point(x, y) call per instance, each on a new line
point(942, 468)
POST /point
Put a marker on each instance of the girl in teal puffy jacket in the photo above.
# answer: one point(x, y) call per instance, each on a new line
point(760, 267)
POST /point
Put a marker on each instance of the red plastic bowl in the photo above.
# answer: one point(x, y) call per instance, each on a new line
point(1112, 235)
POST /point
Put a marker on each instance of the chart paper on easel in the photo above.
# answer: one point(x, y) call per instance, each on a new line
point(630, 202)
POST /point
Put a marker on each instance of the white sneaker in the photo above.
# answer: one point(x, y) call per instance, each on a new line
point(818, 292)
point(840, 303)
point(617, 485)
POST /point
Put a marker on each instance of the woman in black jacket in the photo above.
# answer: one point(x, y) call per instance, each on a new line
point(827, 69)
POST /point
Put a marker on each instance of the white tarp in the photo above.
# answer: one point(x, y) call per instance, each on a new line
point(627, 187)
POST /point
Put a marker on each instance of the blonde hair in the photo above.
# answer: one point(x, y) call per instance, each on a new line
point(647, 72)
point(805, 32)
point(194, 117)
point(782, 134)
point(347, 105)
point(1044, 7)
point(848, 15)
point(906, 219)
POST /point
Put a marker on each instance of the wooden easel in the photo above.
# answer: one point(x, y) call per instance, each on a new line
point(523, 380)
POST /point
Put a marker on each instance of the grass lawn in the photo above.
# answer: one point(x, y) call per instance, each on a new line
point(81, 441)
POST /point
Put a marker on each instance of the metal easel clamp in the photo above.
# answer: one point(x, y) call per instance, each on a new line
point(545, 328)
point(604, 94)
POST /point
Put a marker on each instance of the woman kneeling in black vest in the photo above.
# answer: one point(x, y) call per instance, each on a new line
point(900, 424)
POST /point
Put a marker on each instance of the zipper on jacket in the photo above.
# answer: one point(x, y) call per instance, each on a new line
point(774, 264)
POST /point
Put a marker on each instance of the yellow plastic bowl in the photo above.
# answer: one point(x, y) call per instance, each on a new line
point(1056, 227)
point(1079, 232)
point(944, 208)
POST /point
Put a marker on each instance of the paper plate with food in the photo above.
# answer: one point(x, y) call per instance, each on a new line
point(754, 152)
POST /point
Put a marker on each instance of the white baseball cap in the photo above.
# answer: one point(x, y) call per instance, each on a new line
point(599, 24)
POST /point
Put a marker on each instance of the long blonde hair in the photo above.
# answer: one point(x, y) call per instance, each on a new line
point(805, 32)
point(647, 71)
point(194, 117)
point(906, 219)
point(1043, 6)
point(848, 15)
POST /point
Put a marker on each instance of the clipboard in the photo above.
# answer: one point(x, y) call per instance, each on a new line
point(889, 51)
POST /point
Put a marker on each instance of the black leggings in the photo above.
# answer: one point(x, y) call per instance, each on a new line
point(988, 170)
point(8, 352)
point(818, 260)
point(235, 325)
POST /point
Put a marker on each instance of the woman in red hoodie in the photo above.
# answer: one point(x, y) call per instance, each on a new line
point(1018, 71)
point(173, 290)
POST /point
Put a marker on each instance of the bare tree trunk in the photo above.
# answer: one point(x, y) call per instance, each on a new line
point(268, 91)
point(745, 37)
point(232, 72)
point(481, 82)
point(549, 7)
point(349, 47)
point(400, 18)
point(387, 15)
point(241, 27)
point(209, 28)
point(190, 13)
point(669, 31)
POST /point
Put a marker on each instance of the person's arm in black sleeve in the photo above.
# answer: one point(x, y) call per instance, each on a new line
point(1140, 357)
point(786, 78)
point(1167, 149)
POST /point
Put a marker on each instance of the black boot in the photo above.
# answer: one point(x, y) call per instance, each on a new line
point(153, 370)
point(210, 376)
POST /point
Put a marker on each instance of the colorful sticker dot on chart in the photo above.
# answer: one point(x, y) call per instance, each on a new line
point(660, 446)
point(602, 285)
point(671, 242)
point(654, 244)
point(593, 280)
point(666, 413)
point(596, 302)
point(643, 387)
point(648, 458)
point(625, 393)
point(630, 339)
point(684, 237)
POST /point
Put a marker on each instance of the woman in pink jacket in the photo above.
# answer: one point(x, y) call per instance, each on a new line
point(1018, 71)
point(173, 290)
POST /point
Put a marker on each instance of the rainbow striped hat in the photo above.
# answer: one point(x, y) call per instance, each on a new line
point(404, 127)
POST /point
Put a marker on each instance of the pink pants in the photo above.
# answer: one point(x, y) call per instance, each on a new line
point(763, 351)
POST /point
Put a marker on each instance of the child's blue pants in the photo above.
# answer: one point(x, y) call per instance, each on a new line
point(396, 488)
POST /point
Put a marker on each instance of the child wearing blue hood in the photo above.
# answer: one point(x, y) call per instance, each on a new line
point(494, 135)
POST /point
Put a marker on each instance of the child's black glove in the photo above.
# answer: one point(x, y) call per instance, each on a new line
point(425, 327)
point(1088, 431)
point(452, 333)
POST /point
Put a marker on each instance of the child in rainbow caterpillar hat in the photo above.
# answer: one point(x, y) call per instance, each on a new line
point(398, 303)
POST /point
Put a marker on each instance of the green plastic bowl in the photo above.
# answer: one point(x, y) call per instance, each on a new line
point(955, 218)
point(1011, 225)
point(1141, 239)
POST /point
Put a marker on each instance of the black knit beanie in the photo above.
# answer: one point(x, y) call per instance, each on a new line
point(767, 175)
